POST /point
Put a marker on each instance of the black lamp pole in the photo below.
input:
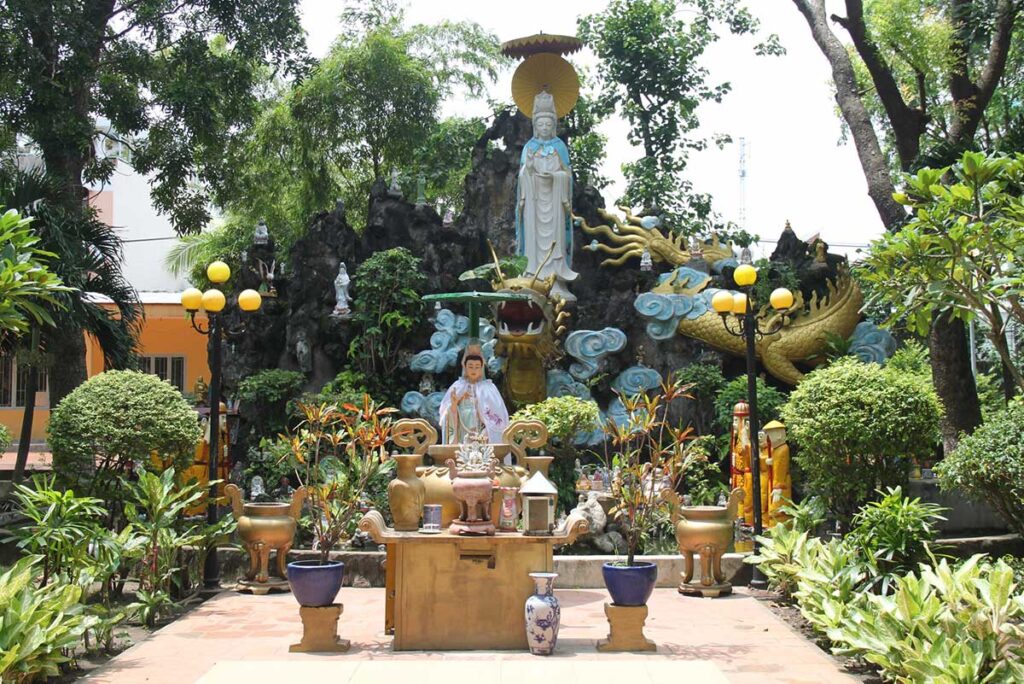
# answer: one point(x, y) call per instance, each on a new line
point(211, 567)
point(750, 331)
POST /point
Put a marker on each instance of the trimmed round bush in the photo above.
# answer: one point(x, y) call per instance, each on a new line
point(113, 421)
point(857, 426)
point(989, 465)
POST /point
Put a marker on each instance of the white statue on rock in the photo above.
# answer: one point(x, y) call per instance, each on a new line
point(341, 299)
point(544, 201)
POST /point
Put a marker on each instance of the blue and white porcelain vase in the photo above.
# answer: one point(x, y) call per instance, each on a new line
point(543, 615)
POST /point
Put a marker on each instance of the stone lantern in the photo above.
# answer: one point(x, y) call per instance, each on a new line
point(539, 499)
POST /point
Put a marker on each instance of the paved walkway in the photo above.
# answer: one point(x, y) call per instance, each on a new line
point(235, 638)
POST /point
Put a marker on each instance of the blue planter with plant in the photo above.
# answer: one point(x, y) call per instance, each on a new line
point(630, 585)
point(315, 583)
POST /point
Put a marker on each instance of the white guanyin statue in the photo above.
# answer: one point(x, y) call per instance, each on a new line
point(341, 299)
point(472, 407)
point(544, 201)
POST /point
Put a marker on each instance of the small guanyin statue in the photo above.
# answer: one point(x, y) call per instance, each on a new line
point(472, 405)
point(341, 282)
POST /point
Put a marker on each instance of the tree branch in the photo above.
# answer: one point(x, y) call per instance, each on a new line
point(907, 123)
point(970, 99)
point(876, 170)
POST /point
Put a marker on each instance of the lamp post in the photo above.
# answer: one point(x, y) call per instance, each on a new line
point(213, 302)
point(739, 318)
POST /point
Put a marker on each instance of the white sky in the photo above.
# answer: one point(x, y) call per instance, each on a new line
point(783, 106)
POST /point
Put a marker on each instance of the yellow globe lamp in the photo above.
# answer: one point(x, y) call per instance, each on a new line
point(192, 299)
point(218, 272)
point(722, 302)
point(745, 275)
point(781, 298)
point(213, 301)
point(249, 300)
point(739, 303)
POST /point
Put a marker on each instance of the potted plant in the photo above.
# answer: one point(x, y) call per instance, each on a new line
point(335, 453)
point(646, 454)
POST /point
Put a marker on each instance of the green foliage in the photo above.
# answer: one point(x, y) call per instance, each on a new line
point(38, 625)
point(26, 283)
point(948, 624)
point(647, 451)
point(650, 70)
point(270, 462)
point(5, 437)
point(856, 426)
point(565, 417)
point(702, 477)
point(706, 382)
point(60, 527)
point(769, 402)
point(369, 107)
point(511, 267)
point(895, 532)
point(912, 357)
point(267, 394)
point(271, 386)
point(347, 387)
point(336, 454)
point(958, 253)
point(989, 465)
point(386, 307)
point(114, 421)
point(788, 547)
point(175, 80)
point(155, 507)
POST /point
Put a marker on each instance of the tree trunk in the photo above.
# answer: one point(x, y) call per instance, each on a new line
point(66, 351)
point(27, 418)
point(872, 160)
point(954, 382)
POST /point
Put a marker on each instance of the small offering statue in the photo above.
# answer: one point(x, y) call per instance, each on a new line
point(780, 483)
point(341, 299)
point(472, 405)
point(544, 200)
point(740, 473)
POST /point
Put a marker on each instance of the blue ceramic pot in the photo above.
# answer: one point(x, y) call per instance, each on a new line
point(313, 583)
point(630, 585)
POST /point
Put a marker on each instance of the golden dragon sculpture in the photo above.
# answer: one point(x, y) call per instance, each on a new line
point(680, 302)
point(630, 238)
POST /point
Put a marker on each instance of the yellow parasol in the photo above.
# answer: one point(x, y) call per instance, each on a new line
point(541, 42)
point(545, 71)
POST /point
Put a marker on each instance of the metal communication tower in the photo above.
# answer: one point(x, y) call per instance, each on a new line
point(743, 184)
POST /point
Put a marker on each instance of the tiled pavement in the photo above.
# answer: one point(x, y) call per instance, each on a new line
point(243, 639)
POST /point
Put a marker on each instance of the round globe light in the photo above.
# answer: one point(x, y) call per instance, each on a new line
point(739, 303)
point(192, 299)
point(722, 301)
point(781, 298)
point(213, 301)
point(218, 272)
point(745, 275)
point(249, 300)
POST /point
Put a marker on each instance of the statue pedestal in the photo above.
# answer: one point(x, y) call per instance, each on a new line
point(263, 588)
point(705, 590)
point(625, 630)
point(320, 631)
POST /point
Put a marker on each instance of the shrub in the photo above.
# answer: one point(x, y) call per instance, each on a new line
point(706, 383)
point(856, 426)
point(565, 418)
point(386, 308)
point(702, 477)
point(267, 394)
point(989, 465)
point(40, 624)
point(769, 402)
point(895, 533)
point(5, 437)
point(115, 420)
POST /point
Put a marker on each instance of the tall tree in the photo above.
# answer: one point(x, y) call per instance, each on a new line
point(173, 77)
point(924, 73)
point(90, 265)
point(651, 72)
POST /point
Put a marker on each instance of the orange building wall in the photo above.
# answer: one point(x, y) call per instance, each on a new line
point(166, 331)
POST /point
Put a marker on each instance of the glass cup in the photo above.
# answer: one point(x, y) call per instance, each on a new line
point(432, 518)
